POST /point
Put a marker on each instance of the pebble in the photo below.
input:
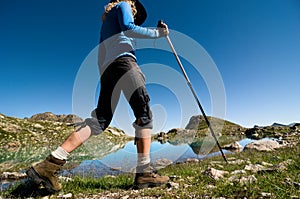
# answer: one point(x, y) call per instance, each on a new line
point(65, 196)
point(173, 185)
point(263, 194)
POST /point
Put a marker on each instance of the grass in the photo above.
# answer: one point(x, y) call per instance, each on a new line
point(194, 184)
point(91, 185)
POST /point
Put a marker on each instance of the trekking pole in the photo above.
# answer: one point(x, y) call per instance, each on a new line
point(193, 91)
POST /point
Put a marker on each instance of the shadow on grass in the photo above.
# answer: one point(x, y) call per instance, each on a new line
point(28, 189)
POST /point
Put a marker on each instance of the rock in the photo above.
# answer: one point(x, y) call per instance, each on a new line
point(116, 131)
point(215, 174)
point(266, 195)
point(210, 186)
point(162, 163)
point(65, 179)
point(71, 118)
point(266, 164)
point(289, 182)
point(185, 186)
point(12, 128)
point(237, 162)
point(38, 126)
point(235, 146)
point(192, 160)
point(65, 196)
point(173, 185)
point(162, 135)
point(263, 145)
point(13, 175)
point(13, 146)
point(283, 165)
point(248, 180)
point(254, 168)
point(238, 172)
point(180, 136)
point(243, 180)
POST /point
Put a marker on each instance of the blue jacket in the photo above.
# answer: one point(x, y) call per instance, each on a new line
point(118, 32)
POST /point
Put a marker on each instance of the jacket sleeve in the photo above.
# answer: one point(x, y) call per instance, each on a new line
point(127, 25)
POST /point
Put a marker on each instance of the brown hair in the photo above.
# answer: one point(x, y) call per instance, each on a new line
point(109, 6)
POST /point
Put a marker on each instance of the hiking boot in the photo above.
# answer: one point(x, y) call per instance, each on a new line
point(45, 172)
point(145, 178)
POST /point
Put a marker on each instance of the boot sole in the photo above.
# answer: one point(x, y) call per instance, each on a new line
point(37, 179)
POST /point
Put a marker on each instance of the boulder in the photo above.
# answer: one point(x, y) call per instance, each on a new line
point(263, 145)
point(235, 146)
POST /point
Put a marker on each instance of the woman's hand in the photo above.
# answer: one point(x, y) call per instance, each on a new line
point(163, 29)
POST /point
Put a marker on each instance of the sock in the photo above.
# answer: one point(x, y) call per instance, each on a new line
point(60, 153)
point(143, 159)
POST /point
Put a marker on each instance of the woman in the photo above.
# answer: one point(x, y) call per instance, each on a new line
point(119, 72)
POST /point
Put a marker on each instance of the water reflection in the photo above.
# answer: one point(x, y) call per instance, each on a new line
point(124, 160)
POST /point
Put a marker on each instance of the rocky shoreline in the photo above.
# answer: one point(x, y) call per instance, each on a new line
point(42, 132)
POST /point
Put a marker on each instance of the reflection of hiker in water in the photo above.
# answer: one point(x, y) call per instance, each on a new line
point(119, 72)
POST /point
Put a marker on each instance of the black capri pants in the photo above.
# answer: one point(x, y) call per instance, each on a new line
point(123, 74)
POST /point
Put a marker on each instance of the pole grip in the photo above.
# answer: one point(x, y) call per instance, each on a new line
point(159, 23)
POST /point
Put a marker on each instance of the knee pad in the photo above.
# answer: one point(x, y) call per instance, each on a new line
point(96, 126)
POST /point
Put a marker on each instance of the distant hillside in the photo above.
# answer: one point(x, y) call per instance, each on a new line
point(220, 126)
point(48, 116)
point(197, 130)
point(24, 141)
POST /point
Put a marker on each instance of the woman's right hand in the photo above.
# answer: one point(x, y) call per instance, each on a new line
point(162, 28)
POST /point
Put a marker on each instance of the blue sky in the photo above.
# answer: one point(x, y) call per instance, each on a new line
point(255, 45)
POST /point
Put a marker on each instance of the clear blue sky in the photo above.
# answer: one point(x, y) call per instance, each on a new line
point(254, 43)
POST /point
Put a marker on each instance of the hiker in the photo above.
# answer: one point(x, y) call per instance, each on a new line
point(121, 21)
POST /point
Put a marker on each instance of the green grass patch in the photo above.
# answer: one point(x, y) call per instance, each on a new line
point(91, 185)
